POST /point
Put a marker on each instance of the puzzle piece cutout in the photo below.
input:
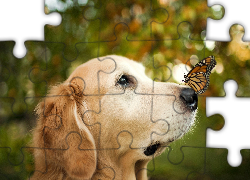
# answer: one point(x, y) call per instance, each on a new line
point(219, 30)
point(225, 137)
point(25, 23)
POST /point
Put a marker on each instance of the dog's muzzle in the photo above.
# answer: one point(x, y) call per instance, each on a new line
point(190, 98)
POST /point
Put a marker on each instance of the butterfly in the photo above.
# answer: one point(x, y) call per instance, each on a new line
point(198, 77)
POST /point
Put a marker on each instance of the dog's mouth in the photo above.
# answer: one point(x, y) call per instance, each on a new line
point(154, 147)
point(193, 106)
point(151, 149)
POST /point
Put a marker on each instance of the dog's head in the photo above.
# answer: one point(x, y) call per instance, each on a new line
point(121, 116)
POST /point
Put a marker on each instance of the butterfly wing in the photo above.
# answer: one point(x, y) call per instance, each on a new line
point(198, 77)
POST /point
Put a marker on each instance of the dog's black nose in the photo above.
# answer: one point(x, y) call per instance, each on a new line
point(190, 98)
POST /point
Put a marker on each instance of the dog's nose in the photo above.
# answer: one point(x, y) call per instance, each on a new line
point(190, 98)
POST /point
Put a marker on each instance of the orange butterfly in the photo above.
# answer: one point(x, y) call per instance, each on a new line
point(198, 77)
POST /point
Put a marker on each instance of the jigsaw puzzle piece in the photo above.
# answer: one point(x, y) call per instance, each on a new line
point(176, 64)
point(81, 151)
point(89, 89)
point(192, 159)
point(15, 164)
point(157, 67)
point(232, 63)
point(17, 89)
point(120, 43)
point(176, 157)
point(86, 83)
point(105, 113)
point(66, 151)
point(150, 108)
point(138, 17)
point(84, 90)
point(200, 163)
point(4, 70)
point(54, 61)
point(117, 100)
point(167, 64)
point(3, 176)
point(77, 18)
point(28, 26)
point(175, 150)
point(243, 168)
point(125, 153)
point(216, 163)
point(16, 159)
point(76, 31)
point(195, 13)
point(73, 155)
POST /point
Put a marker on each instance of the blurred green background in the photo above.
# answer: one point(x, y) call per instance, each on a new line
point(167, 36)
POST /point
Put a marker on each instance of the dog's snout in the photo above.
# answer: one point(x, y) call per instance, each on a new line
point(190, 98)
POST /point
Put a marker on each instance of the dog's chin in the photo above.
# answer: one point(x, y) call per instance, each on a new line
point(157, 147)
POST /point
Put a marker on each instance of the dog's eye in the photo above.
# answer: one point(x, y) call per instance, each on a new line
point(123, 81)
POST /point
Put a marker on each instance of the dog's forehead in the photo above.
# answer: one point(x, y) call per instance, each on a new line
point(129, 66)
point(113, 63)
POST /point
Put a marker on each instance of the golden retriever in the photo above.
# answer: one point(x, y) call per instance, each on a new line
point(107, 121)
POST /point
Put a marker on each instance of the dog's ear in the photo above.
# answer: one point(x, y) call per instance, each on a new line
point(60, 116)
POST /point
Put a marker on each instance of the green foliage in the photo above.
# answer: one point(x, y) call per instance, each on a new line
point(16, 161)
